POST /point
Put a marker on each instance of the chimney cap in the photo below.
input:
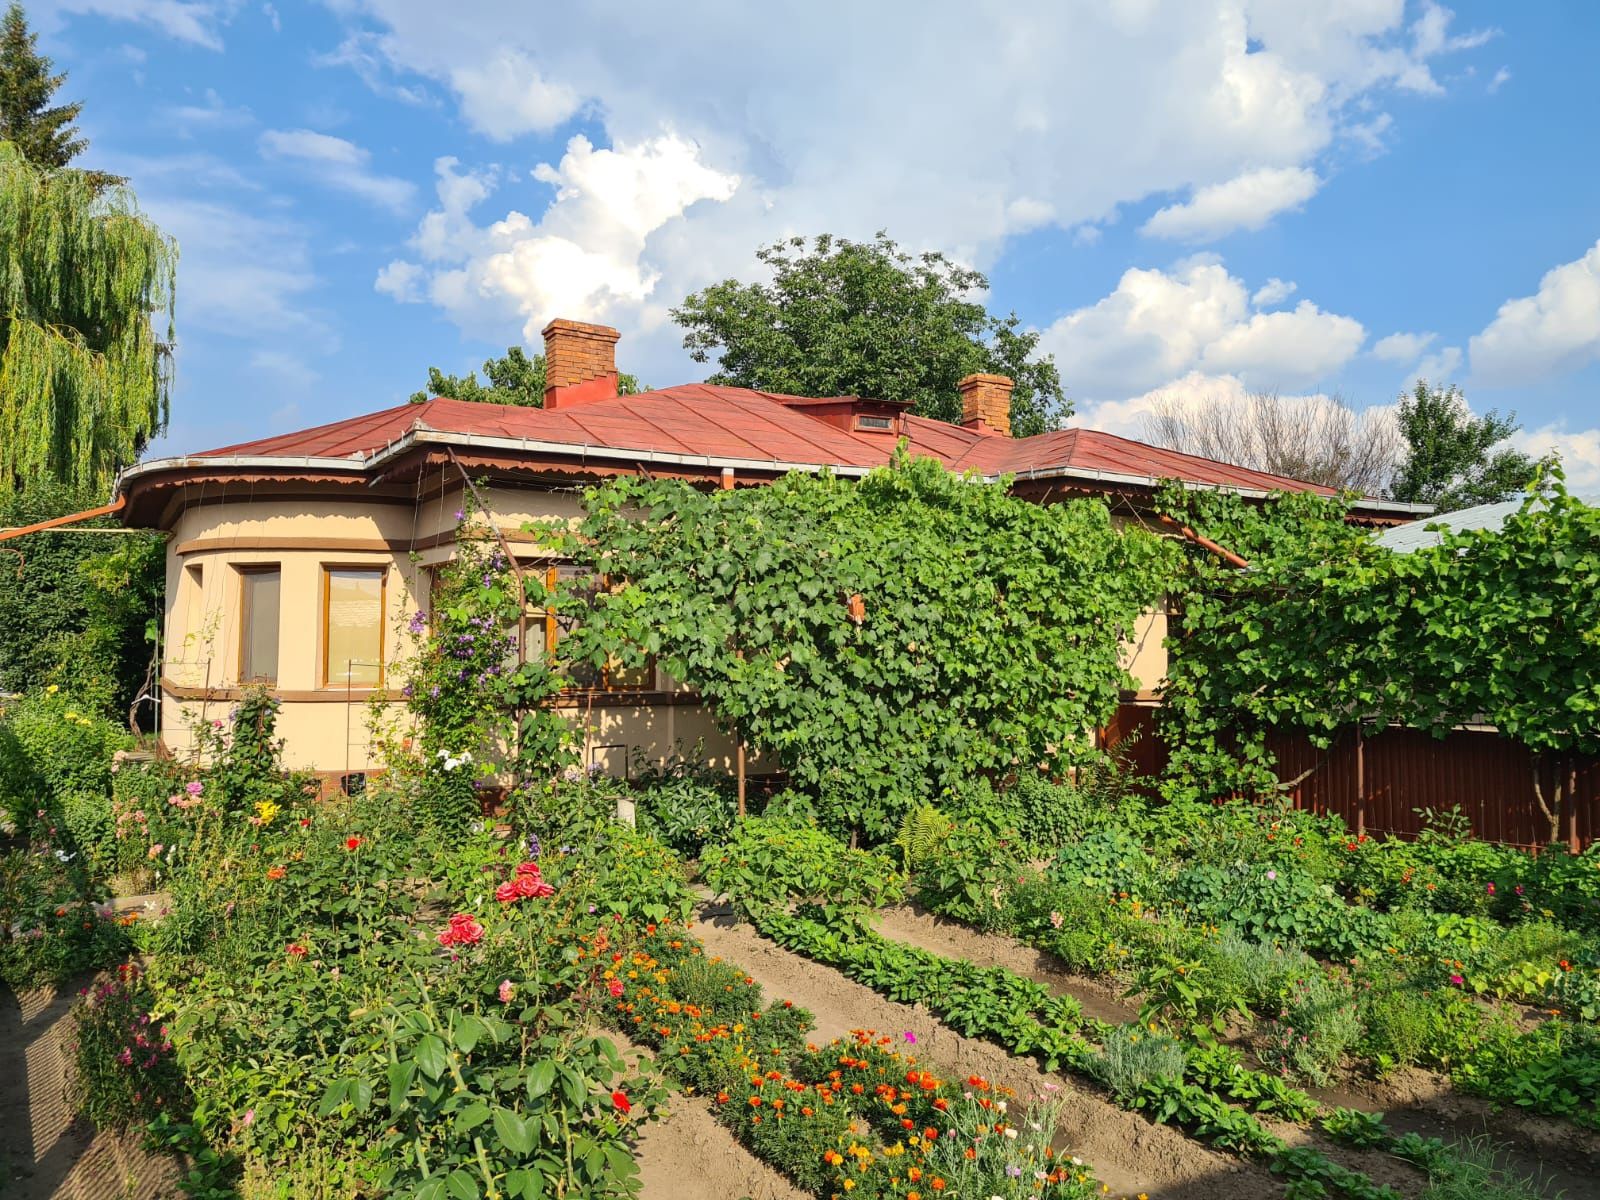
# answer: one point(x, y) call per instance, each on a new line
point(580, 329)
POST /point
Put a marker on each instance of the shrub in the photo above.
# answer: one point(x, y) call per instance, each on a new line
point(1113, 860)
point(126, 1072)
point(50, 927)
point(58, 746)
point(1316, 1026)
point(769, 861)
point(969, 879)
point(684, 806)
point(1261, 974)
point(1396, 1014)
point(1132, 1056)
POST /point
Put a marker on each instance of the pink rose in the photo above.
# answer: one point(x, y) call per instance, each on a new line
point(507, 991)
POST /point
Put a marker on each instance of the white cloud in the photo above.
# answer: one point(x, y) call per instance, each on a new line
point(186, 20)
point(507, 97)
point(1501, 78)
point(1273, 291)
point(1286, 349)
point(830, 133)
point(1247, 201)
point(1402, 347)
point(339, 164)
point(244, 274)
point(586, 255)
point(1158, 326)
point(1438, 367)
point(401, 280)
point(1579, 450)
point(210, 114)
point(1553, 332)
point(291, 369)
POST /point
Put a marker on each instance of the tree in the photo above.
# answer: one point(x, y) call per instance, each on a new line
point(1450, 460)
point(514, 378)
point(1315, 439)
point(76, 609)
point(43, 132)
point(85, 381)
point(867, 319)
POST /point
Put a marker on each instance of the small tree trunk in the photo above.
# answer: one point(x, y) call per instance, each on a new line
point(1552, 810)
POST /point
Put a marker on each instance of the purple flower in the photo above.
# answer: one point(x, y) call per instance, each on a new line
point(910, 1037)
point(418, 622)
point(194, 787)
point(535, 848)
point(460, 515)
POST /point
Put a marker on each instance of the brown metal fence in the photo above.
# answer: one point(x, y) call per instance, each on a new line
point(1380, 782)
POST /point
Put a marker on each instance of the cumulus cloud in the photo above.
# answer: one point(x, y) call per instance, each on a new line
point(1247, 201)
point(1578, 449)
point(1273, 291)
point(1158, 326)
point(339, 164)
point(1402, 347)
point(507, 96)
point(1553, 332)
point(1228, 104)
point(1438, 367)
point(584, 257)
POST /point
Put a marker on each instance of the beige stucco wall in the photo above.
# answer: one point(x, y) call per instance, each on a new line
point(324, 726)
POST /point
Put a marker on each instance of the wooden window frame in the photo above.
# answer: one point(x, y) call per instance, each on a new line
point(382, 571)
point(243, 569)
point(552, 576)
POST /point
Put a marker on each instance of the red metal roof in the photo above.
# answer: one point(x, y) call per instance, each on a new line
point(738, 423)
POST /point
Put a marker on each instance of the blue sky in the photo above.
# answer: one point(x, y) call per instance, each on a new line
point(1190, 199)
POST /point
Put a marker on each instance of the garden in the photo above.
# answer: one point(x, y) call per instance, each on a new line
point(948, 953)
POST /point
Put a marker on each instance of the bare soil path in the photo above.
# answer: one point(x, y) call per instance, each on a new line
point(43, 1153)
point(690, 1155)
point(1129, 1153)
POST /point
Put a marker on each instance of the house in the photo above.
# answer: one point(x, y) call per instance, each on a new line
point(1430, 531)
point(294, 561)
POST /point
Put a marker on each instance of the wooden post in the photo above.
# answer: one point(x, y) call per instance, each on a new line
point(1573, 844)
point(740, 759)
point(1361, 783)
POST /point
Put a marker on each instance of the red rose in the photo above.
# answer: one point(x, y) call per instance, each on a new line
point(507, 892)
point(350, 843)
point(619, 1101)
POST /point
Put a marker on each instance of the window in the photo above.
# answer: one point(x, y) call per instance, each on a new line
point(875, 423)
point(194, 593)
point(352, 626)
point(259, 590)
point(544, 630)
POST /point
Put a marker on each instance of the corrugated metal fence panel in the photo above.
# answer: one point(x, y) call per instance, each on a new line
point(1405, 770)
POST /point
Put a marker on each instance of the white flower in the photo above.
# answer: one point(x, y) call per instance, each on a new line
point(1001, 1105)
point(1010, 1132)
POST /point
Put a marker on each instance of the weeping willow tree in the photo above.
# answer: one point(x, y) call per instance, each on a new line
point(85, 278)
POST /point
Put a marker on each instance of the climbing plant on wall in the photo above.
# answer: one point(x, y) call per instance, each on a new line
point(878, 640)
point(1328, 629)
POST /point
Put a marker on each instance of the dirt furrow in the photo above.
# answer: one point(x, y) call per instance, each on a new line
point(690, 1155)
point(1129, 1153)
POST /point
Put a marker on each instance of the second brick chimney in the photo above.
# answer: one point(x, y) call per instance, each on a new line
point(986, 404)
point(580, 363)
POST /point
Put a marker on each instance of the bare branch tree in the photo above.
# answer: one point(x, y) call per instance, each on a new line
point(1317, 439)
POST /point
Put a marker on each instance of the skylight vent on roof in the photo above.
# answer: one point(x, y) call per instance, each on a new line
point(875, 424)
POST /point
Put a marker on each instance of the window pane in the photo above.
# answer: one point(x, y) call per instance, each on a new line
point(353, 639)
point(258, 648)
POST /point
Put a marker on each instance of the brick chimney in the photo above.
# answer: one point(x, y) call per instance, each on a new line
point(580, 363)
point(986, 404)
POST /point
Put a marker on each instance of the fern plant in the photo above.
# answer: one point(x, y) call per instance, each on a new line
point(923, 833)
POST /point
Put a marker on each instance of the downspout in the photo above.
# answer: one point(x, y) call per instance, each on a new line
point(88, 514)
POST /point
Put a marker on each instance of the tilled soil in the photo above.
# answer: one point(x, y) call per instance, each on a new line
point(1129, 1153)
point(691, 1156)
point(1557, 1152)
